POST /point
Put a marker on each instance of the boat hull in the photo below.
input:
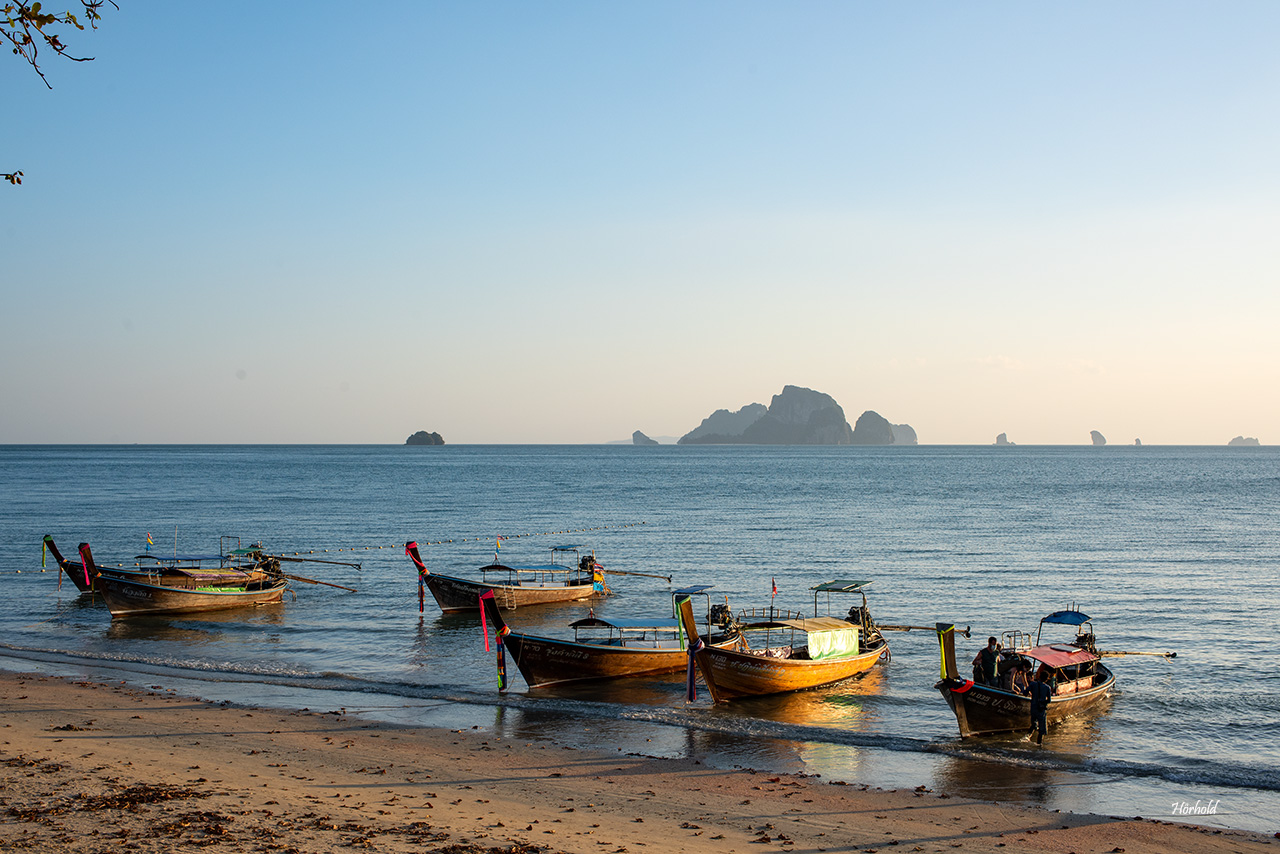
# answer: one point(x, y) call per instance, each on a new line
point(458, 594)
point(127, 597)
point(548, 661)
point(983, 710)
point(731, 674)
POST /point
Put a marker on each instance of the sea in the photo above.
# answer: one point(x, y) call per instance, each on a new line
point(1167, 549)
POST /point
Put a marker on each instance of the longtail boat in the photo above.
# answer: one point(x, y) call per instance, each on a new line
point(172, 588)
point(569, 577)
point(163, 565)
point(607, 648)
point(1076, 674)
point(785, 651)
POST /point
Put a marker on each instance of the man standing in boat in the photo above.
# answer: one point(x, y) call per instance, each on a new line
point(985, 663)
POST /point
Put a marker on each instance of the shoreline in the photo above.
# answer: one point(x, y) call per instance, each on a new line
point(105, 765)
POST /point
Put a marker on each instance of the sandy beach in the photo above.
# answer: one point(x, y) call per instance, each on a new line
point(104, 767)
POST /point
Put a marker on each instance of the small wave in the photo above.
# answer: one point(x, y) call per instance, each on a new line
point(693, 718)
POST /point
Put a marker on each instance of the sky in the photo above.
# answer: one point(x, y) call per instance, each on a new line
point(561, 222)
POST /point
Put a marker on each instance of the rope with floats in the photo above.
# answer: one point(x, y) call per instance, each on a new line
point(488, 539)
point(400, 546)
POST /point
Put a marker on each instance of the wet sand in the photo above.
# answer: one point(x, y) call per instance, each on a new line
point(89, 767)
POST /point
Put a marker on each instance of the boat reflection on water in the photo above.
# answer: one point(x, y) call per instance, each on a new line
point(663, 690)
point(752, 732)
point(201, 629)
point(840, 706)
point(995, 781)
point(638, 738)
point(556, 728)
point(1013, 768)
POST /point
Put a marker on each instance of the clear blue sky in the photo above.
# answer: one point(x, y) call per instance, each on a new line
point(562, 222)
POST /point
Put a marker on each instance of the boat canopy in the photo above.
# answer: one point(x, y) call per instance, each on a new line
point(179, 558)
point(689, 591)
point(1059, 655)
point(840, 586)
point(625, 624)
point(532, 567)
point(1067, 618)
point(804, 624)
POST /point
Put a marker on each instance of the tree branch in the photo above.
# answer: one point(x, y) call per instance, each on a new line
point(27, 27)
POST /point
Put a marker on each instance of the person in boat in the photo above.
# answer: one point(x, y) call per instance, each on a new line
point(1041, 692)
point(1020, 683)
point(1005, 668)
point(985, 664)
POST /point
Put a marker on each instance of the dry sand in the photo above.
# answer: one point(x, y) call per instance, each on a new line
point(97, 768)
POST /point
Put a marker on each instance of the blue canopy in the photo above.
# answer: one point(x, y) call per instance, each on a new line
point(840, 586)
point(1067, 618)
point(689, 591)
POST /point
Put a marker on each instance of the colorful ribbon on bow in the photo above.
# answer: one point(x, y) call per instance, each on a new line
point(411, 549)
point(500, 631)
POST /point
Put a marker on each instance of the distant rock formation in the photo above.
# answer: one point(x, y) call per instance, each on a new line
point(723, 427)
point(1003, 439)
point(638, 438)
point(1098, 438)
point(872, 429)
point(422, 437)
point(797, 416)
point(800, 416)
point(1244, 441)
point(1138, 442)
point(904, 434)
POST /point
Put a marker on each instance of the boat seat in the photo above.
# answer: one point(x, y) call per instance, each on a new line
point(777, 652)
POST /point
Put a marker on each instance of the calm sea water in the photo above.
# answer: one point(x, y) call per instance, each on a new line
point(1167, 548)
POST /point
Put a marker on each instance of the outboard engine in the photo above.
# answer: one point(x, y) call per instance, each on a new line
point(588, 563)
point(1085, 640)
point(860, 615)
point(721, 616)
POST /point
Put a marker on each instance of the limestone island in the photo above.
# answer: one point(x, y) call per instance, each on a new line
point(638, 438)
point(1003, 439)
point(1097, 438)
point(1244, 441)
point(422, 437)
point(797, 416)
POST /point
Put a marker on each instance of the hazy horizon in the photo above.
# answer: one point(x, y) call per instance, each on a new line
point(559, 224)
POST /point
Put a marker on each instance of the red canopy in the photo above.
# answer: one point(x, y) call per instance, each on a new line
point(1059, 655)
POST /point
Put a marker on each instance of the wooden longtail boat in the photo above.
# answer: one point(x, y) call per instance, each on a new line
point(167, 567)
point(187, 589)
point(784, 651)
point(1079, 678)
point(569, 577)
point(604, 648)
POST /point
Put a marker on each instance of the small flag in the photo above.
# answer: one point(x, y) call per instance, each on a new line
point(150, 542)
point(775, 586)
